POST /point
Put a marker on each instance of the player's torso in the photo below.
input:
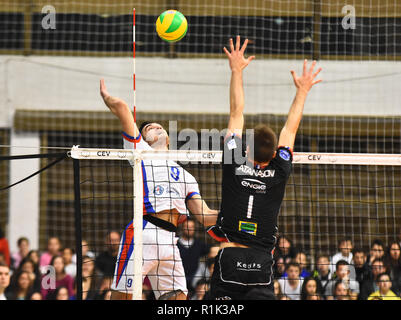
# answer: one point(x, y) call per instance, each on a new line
point(165, 186)
point(251, 200)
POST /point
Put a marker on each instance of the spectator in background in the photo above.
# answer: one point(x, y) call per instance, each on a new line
point(301, 259)
point(285, 249)
point(35, 257)
point(277, 290)
point(70, 266)
point(340, 291)
point(85, 251)
point(323, 274)
point(62, 278)
point(4, 280)
point(107, 295)
point(392, 260)
point(370, 285)
point(384, 293)
point(105, 287)
point(90, 280)
point(343, 274)
point(201, 288)
point(191, 250)
point(106, 260)
point(376, 251)
point(23, 250)
point(361, 266)
point(204, 266)
point(291, 284)
point(345, 247)
point(279, 267)
point(311, 287)
point(4, 248)
point(2, 259)
point(21, 286)
point(61, 293)
point(29, 266)
point(53, 249)
point(35, 295)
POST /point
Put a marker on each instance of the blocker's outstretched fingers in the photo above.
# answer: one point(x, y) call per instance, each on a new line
point(231, 45)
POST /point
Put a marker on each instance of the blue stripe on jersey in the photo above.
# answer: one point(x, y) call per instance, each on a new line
point(146, 202)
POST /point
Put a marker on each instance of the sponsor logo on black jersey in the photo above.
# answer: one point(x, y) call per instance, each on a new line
point(243, 169)
point(254, 184)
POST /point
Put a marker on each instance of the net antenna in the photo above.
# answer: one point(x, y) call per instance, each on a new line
point(204, 157)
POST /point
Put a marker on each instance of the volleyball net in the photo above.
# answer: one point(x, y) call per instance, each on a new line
point(329, 196)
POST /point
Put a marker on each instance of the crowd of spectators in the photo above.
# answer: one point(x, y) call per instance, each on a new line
point(349, 274)
point(50, 275)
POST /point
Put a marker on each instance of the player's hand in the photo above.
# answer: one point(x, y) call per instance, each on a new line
point(103, 90)
point(236, 55)
point(307, 80)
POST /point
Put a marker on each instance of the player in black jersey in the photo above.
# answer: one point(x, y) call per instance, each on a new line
point(255, 174)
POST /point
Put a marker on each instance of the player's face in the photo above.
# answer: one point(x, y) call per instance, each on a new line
point(155, 135)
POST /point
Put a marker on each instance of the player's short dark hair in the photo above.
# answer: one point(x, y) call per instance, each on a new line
point(143, 125)
point(263, 143)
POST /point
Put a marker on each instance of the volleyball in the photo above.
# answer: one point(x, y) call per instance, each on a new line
point(171, 26)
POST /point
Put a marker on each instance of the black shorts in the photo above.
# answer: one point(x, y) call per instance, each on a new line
point(242, 274)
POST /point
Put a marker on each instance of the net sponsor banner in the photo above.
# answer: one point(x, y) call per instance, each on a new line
point(216, 156)
point(123, 154)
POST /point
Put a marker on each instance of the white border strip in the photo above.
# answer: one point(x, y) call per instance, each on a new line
point(205, 156)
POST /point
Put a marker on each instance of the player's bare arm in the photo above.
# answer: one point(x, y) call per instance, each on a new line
point(237, 63)
point(200, 210)
point(303, 85)
point(120, 109)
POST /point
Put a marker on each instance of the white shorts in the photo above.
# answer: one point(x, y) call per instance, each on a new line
point(161, 261)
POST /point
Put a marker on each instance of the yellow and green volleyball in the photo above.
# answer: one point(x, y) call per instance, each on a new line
point(171, 26)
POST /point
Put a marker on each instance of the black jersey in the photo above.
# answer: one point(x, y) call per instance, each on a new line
point(251, 197)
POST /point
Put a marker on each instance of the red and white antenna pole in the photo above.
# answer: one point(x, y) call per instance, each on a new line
point(133, 57)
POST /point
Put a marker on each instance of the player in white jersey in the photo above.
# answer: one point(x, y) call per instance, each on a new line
point(169, 192)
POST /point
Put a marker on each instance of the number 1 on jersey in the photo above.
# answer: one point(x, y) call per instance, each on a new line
point(250, 206)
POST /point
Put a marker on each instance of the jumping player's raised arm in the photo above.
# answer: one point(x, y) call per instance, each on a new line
point(121, 110)
point(303, 84)
point(237, 64)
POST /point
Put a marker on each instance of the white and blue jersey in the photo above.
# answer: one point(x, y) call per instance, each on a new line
point(166, 185)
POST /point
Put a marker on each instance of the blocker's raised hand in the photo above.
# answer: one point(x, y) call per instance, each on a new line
point(236, 55)
point(307, 80)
